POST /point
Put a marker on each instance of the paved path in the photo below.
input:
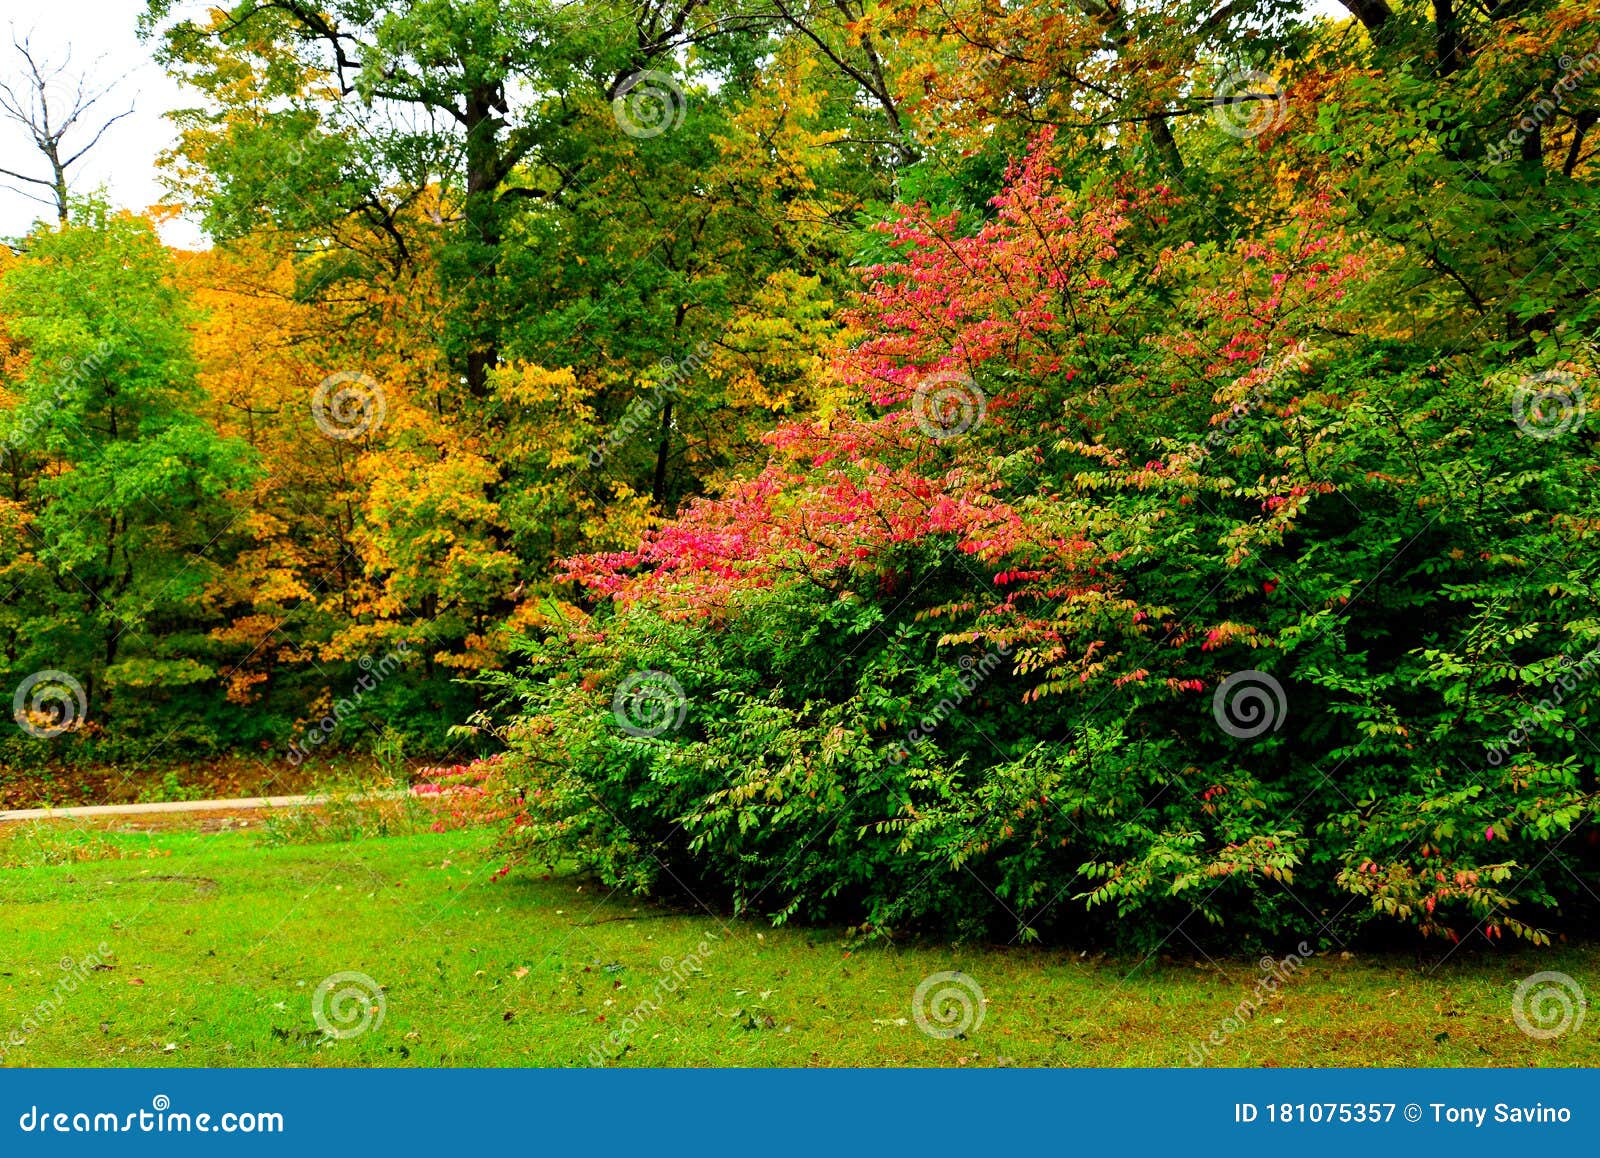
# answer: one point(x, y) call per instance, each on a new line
point(240, 804)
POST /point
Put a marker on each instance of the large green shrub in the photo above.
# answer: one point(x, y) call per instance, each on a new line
point(1148, 587)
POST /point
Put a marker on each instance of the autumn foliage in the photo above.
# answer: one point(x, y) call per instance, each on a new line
point(948, 678)
point(1002, 469)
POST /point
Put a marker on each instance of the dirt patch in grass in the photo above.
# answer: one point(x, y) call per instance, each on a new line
point(65, 787)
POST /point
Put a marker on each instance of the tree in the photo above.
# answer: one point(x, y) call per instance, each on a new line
point(371, 106)
point(129, 493)
point(49, 102)
point(583, 277)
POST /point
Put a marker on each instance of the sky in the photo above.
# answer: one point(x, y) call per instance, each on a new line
point(101, 35)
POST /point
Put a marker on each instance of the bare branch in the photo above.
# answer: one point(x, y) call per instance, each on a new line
point(50, 201)
point(95, 140)
point(25, 177)
point(49, 103)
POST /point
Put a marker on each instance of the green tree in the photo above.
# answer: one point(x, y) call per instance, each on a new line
point(351, 113)
point(126, 490)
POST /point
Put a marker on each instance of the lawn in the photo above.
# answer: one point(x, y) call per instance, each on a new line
point(206, 947)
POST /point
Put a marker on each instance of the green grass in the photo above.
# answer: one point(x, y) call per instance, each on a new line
point(216, 943)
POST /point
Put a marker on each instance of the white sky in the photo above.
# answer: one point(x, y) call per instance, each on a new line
point(124, 161)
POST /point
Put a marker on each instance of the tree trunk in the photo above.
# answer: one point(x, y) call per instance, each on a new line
point(1166, 146)
point(485, 173)
point(658, 491)
point(1373, 14)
